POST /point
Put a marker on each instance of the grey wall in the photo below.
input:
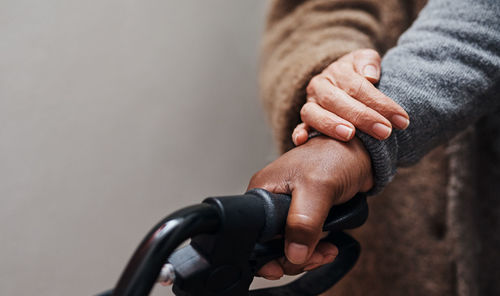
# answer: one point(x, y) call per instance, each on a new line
point(112, 114)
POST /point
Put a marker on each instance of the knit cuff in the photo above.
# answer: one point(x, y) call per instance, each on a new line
point(383, 155)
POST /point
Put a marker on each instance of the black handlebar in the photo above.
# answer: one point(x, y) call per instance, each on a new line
point(231, 238)
point(346, 216)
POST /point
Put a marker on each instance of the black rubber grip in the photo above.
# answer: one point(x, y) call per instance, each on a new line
point(349, 215)
point(346, 216)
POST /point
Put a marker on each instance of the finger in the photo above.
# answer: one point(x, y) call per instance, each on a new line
point(300, 134)
point(323, 254)
point(359, 88)
point(328, 251)
point(292, 269)
point(375, 99)
point(362, 117)
point(270, 180)
point(306, 216)
point(315, 261)
point(271, 270)
point(326, 122)
point(367, 63)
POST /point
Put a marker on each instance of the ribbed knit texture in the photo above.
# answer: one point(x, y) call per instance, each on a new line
point(445, 72)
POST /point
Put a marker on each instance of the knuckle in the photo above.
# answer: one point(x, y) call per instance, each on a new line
point(359, 88)
point(359, 115)
point(255, 180)
point(332, 68)
point(339, 67)
point(317, 179)
point(303, 224)
point(326, 97)
point(326, 126)
point(342, 76)
point(353, 86)
point(336, 71)
point(330, 77)
point(305, 110)
point(313, 85)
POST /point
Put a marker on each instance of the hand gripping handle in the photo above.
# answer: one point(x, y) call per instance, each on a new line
point(346, 216)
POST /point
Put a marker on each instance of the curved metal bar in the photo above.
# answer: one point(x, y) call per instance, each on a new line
point(143, 269)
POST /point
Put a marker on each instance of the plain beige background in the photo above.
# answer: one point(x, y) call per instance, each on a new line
point(114, 113)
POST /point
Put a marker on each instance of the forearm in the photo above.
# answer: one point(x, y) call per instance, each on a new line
point(303, 37)
point(445, 73)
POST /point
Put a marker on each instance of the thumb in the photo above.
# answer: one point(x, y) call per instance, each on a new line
point(367, 64)
point(306, 216)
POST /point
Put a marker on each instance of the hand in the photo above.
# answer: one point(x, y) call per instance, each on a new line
point(343, 98)
point(319, 174)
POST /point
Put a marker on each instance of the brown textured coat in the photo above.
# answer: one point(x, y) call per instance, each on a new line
point(422, 237)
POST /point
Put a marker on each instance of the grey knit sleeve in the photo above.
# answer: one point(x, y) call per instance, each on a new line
point(445, 72)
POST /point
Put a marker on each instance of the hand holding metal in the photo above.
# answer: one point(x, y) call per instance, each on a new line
point(232, 237)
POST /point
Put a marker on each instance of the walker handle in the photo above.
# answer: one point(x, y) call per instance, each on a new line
point(232, 237)
point(346, 216)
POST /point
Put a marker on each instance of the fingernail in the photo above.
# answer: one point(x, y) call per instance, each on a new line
point(400, 122)
point(344, 131)
point(297, 253)
point(381, 130)
point(295, 138)
point(370, 71)
point(272, 278)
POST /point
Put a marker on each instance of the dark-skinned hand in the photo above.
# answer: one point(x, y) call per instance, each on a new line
point(319, 174)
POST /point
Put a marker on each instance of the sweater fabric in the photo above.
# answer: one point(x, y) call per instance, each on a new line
point(434, 229)
point(445, 72)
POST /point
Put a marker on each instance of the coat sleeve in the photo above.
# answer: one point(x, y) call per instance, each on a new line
point(303, 37)
point(445, 72)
